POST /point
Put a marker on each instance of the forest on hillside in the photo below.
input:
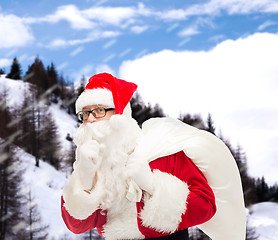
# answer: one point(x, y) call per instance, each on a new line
point(32, 128)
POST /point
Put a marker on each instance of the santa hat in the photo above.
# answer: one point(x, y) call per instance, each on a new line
point(105, 89)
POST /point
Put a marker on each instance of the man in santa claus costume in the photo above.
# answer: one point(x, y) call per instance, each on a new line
point(149, 183)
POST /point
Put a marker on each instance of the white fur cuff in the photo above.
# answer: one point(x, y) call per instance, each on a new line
point(163, 210)
point(78, 203)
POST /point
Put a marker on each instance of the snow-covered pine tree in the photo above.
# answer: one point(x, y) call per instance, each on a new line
point(10, 175)
point(49, 143)
point(37, 77)
point(69, 157)
point(141, 112)
point(10, 197)
point(15, 72)
point(210, 125)
point(52, 78)
point(193, 120)
point(34, 229)
point(248, 182)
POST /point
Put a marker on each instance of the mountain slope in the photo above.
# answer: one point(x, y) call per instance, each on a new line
point(46, 185)
point(264, 219)
point(45, 182)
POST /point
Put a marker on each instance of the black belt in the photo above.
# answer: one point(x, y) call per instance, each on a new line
point(181, 235)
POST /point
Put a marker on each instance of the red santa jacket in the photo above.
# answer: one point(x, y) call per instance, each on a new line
point(181, 199)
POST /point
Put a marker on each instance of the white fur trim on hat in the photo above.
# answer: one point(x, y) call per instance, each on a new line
point(96, 96)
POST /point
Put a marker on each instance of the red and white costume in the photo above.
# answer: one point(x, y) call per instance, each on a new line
point(195, 182)
point(182, 198)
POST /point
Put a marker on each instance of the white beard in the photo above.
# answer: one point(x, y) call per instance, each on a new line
point(117, 138)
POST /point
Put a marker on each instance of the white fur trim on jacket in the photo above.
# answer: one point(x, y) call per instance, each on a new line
point(96, 96)
point(78, 203)
point(163, 210)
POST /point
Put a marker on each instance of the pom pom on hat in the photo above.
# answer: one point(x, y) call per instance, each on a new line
point(105, 89)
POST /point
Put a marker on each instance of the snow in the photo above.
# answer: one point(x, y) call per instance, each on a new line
point(46, 183)
point(66, 124)
point(46, 186)
point(264, 218)
point(15, 90)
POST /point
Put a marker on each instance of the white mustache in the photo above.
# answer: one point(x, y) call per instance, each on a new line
point(96, 131)
point(119, 132)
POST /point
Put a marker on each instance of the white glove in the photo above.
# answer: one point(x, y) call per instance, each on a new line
point(89, 151)
point(88, 162)
point(139, 170)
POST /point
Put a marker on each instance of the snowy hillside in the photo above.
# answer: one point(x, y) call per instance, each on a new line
point(47, 183)
point(264, 218)
point(15, 94)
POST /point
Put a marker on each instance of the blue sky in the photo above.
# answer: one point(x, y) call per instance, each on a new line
point(202, 56)
point(79, 36)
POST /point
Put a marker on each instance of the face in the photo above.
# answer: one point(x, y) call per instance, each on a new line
point(92, 119)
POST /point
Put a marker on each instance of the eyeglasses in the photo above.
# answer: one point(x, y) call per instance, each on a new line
point(97, 113)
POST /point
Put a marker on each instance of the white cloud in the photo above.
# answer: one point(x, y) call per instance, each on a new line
point(105, 34)
point(215, 7)
point(89, 18)
point(72, 14)
point(92, 36)
point(124, 53)
point(98, 16)
point(217, 38)
point(174, 14)
point(109, 43)
point(59, 42)
point(184, 41)
point(110, 15)
point(141, 53)
point(11, 52)
point(5, 62)
point(109, 57)
point(193, 29)
point(62, 65)
point(13, 32)
point(189, 31)
point(98, 3)
point(69, 13)
point(172, 27)
point(105, 68)
point(247, 6)
point(138, 29)
point(87, 69)
point(266, 24)
point(77, 51)
point(234, 80)
point(125, 16)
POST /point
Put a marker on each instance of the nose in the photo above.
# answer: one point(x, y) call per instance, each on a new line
point(91, 118)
